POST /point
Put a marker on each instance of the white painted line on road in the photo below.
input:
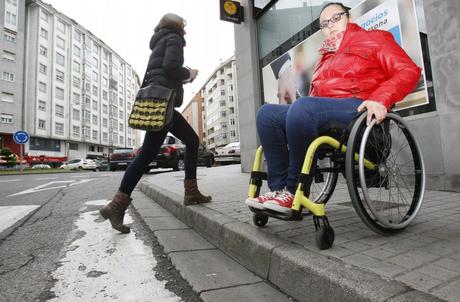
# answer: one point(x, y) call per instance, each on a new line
point(9, 215)
point(105, 265)
point(45, 187)
point(43, 178)
point(79, 176)
point(9, 180)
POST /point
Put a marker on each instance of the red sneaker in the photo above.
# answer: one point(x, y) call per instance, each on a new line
point(258, 202)
point(280, 203)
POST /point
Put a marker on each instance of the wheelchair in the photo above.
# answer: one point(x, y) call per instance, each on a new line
point(383, 168)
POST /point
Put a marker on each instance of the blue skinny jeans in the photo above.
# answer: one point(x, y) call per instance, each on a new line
point(150, 147)
point(286, 131)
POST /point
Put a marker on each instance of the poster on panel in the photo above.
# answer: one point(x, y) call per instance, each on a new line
point(293, 70)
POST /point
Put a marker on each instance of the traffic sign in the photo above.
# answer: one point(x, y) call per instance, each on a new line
point(21, 137)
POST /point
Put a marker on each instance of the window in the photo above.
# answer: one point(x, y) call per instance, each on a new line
point(105, 136)
point(59, 111)
point(86, 115)
point(8, 76)
point(42, 87)
point(42, 105)
point(60, 43)
point(76, 115)
point(41, 124)
point(104, 108)
point(7, 97)
point(11, 18)
point(120, 127)
point(232, 121)
point(60, 59)
point(77, 36)
point(104, 94)
point(95, 62)
point(105, 68)
point(104, 122)
point(44, 16)
point(76, 82)
point(75, 132)
point(6, 118)
point(94, 134)
point(86, 131)
point(232, 133)
point(43, 51)
point(120, 114)
point(104, 81)
point(95, 105)
point(59, 93)
point(222, 71)
point(94, 76)
point(59, 76)
point(42, 68)
point(122, 139)
point(129, 141)
point(61, 26)
point(76, 66)
point(76, 51)
point(76, 98)
point(222, 92)
point(120, 101)
point(10, 37)
point(9, 56)
point(94, 90)
point(94, 119)
point(59, 128)
point(230, 98)
point(44, 33)
point(87, 101)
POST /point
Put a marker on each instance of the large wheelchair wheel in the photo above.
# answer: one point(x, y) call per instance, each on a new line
point(324, 182)
point(388, 197)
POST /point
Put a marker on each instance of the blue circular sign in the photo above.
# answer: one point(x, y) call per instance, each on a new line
point(21, 137)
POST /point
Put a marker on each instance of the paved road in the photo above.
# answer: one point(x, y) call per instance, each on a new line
point(54, 245)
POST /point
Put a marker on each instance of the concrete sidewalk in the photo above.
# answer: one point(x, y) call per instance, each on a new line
point(421, 263)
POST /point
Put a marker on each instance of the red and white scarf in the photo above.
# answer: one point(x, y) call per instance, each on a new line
point(331, 44)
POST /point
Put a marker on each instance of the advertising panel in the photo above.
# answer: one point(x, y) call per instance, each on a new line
point(288, 77)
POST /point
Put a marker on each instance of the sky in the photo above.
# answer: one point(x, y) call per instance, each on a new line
point(126, 26)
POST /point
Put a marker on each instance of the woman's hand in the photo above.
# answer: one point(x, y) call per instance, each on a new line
point(193, 74)
point(375, 109)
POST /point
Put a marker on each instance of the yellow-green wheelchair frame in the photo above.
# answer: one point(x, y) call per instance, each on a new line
point(325, 235)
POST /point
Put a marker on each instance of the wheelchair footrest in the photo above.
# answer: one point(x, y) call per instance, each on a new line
point(295, 215)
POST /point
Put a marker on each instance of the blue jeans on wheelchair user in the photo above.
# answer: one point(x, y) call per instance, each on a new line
point(286, 131)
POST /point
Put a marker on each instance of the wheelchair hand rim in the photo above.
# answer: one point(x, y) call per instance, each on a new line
point(362, 179)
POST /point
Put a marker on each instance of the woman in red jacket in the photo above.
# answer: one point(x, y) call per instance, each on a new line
point(357, 70)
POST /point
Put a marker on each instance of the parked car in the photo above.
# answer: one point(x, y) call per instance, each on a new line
point(230, 153)
point(171, 155)
point(102, 165)
point(79, 164)
point(121, 158)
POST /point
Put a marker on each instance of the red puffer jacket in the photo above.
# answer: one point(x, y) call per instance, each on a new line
point(368, 65)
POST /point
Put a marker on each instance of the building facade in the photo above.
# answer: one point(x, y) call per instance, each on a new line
point(194, 115)
point(425, 29)
point(12, 30)
point(221, 106)
point(77, 92)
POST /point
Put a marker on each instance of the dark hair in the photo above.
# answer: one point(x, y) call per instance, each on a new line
point(172, 21)
point(346, 9)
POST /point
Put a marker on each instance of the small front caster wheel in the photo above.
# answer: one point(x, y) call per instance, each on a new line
point(260, 220)
point(325, 237)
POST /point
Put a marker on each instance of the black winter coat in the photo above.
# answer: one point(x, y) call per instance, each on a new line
point(166, 60)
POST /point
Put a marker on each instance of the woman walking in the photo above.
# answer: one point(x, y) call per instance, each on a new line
point(165, 68)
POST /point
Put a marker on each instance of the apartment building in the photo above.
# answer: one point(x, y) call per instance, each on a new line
point(12, 23)
point(194, 114)
point(221, 106)
point(77, 91)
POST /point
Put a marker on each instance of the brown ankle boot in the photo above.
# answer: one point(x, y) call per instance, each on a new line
point(115, 211)
point(192, 194)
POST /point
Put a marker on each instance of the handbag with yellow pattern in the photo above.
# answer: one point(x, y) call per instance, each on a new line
point(153, 109)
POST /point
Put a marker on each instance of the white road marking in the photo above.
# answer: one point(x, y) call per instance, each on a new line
point(9, 215)
point(105, 265)
point(43, 178)
point(9, 180)
point(45, 187)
